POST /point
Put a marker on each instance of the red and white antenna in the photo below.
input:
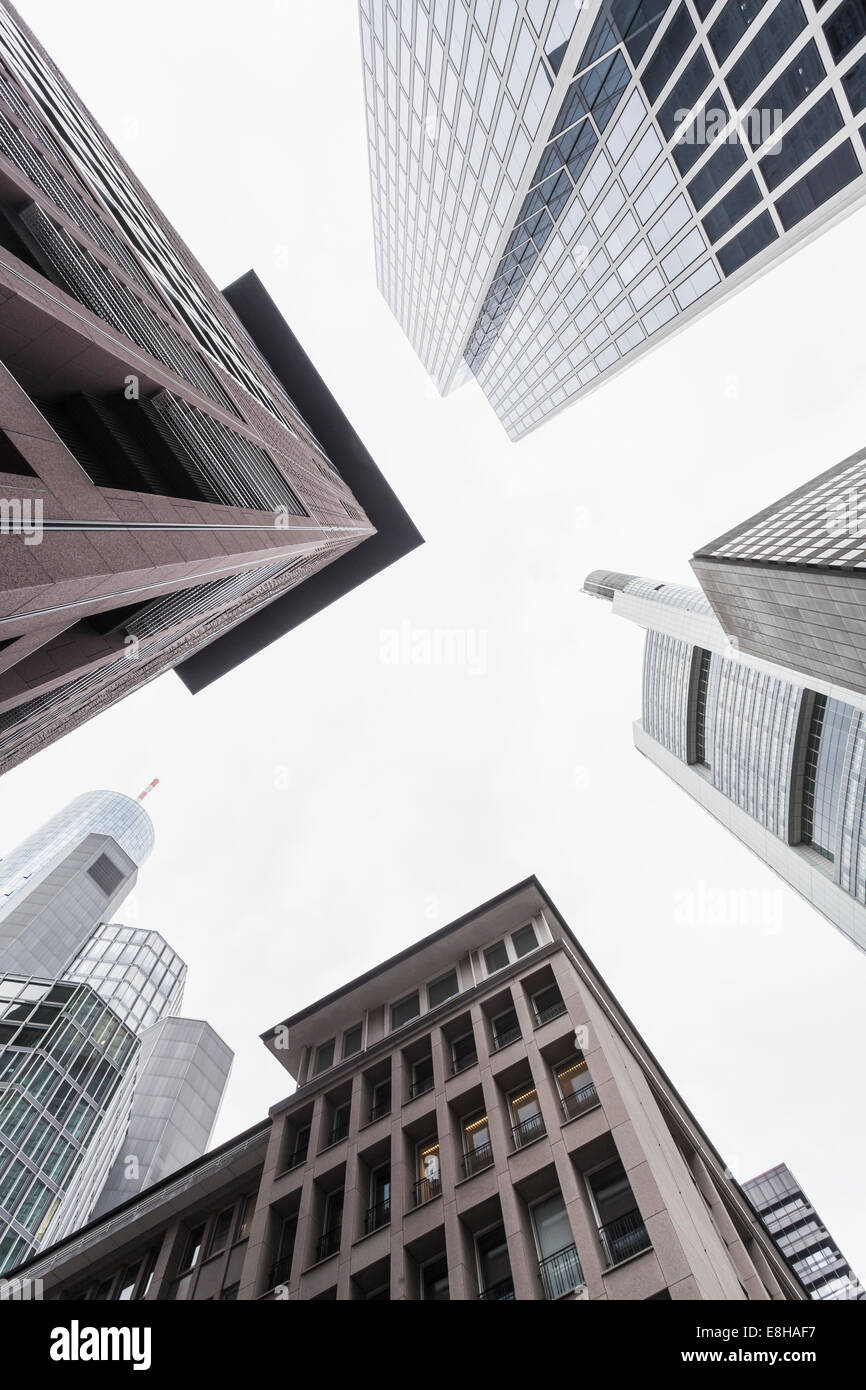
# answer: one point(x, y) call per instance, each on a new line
point(148, 789)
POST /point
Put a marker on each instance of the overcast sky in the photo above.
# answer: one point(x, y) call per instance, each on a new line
point(325, 805)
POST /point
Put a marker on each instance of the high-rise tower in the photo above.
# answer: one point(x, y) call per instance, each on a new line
point(802, 1236)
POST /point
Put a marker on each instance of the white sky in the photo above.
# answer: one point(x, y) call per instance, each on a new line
point(321, 807)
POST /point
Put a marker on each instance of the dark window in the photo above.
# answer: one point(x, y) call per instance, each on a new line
point(671, 47)
point(127, 1283)
point(193, 1248)
point(854, 83)
point(496, 957)
point(731, 25)
point(434, 1282)
point(637, 21)
point(701, 709)
point(716, 172)
point(846, 27)
point(105, 874)
point(442, 989)
point(324, 1057)
point(352, 1041)
point(505, 1028)
point(405, 1010)
point(827, 178)
point(785, 94)
point(777, 33)
point(703, 7)
point(812, 131)
point(220, 1233)
point(685, 93)
point(694, 139)
point(524, 940)
point(747, 243)
point(548, 1004)
point(733, 207)
point(810, 776)
point(11, 461)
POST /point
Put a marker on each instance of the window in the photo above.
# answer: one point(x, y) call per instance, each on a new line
point(352, 1041)
point(494, 1268)
point(193, 1247)
point(526, 1121)
point(576, 1091)
point(429, 1182)
point(405, 1010)
point(340, 1126)
point(127, 1283)
point(248, 1207)
point(381, 1097)
point(442, 989)
point(332, 1225)
point(548, 1004)
point(220, 1233)
point(477, 1149)
point(463, 1052)
point(434, 1281)
point(621, 1227)
point(558, 1264)
point(495, 958)
point(506, 1028)
point(379, 1213)
point(324, 1057)
point(105, 874)
point(422, 1076)
point(299, 1152)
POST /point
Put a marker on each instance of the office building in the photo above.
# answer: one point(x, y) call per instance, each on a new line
point(474, 1118)
point(558, 187)
point(773, 754)
point(789, 584)
point(802, 1236)
point(103, 1088)
point(179, 488)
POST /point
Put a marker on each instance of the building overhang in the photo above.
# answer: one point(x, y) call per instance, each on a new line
point(396, 534)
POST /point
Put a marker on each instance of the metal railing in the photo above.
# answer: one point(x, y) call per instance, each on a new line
point(419, 1087)
point(552, 1011)
point(501, 1292)
point(508, 1035)
point(576, 1102)
point(625, 1236)
point(379, 1215)
point(329, 1243)
point(280, 1272)
point(424, 1189)
point(560, 1272)
point(383, 1108)
point(527, 1130)
point(462, 1063)
point(297, 1158)
point(477, 1159)
point(340, 1130)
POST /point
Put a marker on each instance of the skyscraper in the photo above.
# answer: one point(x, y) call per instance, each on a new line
point(802, 1236)
point(558, 187)
point(103, 1089)
point(789, 584)
point(475, 1118)
point(775, 756)
point(178, 485)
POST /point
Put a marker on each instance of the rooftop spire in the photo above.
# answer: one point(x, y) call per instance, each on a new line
point(148, 789)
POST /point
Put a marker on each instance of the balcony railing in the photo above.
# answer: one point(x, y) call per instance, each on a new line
point(477, 1159)
point(424, 1083)
point(383, 1108)
point(560, 1272)
point(463, 1063)
point(625, 1236)
point(551, 1011)
point(576, 1102)
point(508, 1035)
point(424, 1189)
point(340, 1130)
point(377, 1216)
point(297, 1158)
point(280, 1272)
point(503, 1292)
point(329, 1243)
point(527, 1130)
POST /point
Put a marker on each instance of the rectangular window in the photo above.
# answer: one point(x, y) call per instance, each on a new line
point(846, 27)
point(193, 1247)
point(524, 940)
point(463, 1053)
point(324, 1057)
point(443, 988)
point(548, 1004)
point(701, 709)
point(477, 1150)
point(506, 1029)
point(813, 130)
point(429, 1182)
point(526, 1121)
point(494, 1268)
point(496, 958)
point(352, 1041)
point(248, 1207)
point(434, 1281)
point(821, 183)
point(405, 1010)
point(746, 244)
point(220, 1233)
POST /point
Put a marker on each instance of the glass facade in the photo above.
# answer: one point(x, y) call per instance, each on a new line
point(802, 1236)
point(554, 186)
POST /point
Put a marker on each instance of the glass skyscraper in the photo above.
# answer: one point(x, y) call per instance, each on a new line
point(556, 187)
point(774, 755)
point(802, 1236)
point(103, 1089)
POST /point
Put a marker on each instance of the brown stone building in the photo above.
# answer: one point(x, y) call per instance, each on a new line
point(474, 1118)
point(177, 485)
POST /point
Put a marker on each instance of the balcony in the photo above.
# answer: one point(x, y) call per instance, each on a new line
point(280, 1272)
point(477, 1159)
point(549, 1012)
point(377, 1216)
point(503, 1292)
point(421, 1086)
point(561, 1272)
point(463, 1063)
point(425, 1189)
point(576, 1102)
point(508, 1035)
point(328, 1243)
point(527, 1130)
point(377, 1112)
point(624, 1237)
